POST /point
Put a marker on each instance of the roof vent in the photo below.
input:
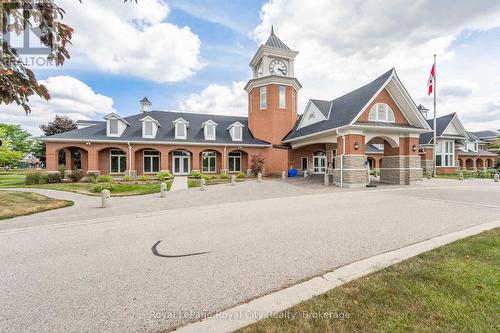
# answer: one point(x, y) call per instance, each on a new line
point(145, 105)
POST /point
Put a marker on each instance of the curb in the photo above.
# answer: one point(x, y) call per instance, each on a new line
point(263, 307)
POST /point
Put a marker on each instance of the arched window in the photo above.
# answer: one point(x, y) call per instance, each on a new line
point(381, 112)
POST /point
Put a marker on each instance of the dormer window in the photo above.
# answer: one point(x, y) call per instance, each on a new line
point(115, 125)
point(181, 127)
point(209, 129)
point(149, 127)
point(381, 112)
point(236, 131)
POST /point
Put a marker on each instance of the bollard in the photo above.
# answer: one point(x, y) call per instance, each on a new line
point(259, 177)
point(496, 178)
point(163, 190)
point(202, 184)
point(305, 173)
point(233, 180)
point(327, 179)
point(429, 176)
point(460, 176)
point(283, 175)
point(105, 198)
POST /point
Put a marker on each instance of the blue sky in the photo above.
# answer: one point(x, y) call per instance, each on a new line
point(193, 55)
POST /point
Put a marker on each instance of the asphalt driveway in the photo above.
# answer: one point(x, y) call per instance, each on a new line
point(79, 273)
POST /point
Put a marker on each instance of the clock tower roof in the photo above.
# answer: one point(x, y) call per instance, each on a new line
point(274, 41)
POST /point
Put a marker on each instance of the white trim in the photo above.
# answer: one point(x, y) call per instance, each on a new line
point(156, 142)
point(306, 113)
point(151, 156)
point(119, 157)
point(229, 158)
point(215, 161)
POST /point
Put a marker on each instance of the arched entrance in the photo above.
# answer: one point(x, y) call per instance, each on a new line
point(319, 162)
point(489, 163)
point(181, 162)
point(469, 164)
point(479, 163)
point(72, 158)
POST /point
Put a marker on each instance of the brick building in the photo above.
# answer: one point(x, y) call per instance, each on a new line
point(377, 125)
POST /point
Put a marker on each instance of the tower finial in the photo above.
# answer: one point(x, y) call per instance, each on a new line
point(272, 29)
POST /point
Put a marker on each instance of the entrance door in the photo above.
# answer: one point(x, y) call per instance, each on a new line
point(181, 163)
point(319, 162)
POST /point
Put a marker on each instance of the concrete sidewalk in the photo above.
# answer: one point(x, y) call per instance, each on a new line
point(180, 183)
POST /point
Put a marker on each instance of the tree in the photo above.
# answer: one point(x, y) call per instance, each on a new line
point(257, 163)
point(20, 139)
point(8, 156)
point(60, 124)
point(17, 82)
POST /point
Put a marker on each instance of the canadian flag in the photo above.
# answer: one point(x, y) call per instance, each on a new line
point(430, 83)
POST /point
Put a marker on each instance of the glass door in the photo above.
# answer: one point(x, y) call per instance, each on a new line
point(319, 162)
point(181, 163)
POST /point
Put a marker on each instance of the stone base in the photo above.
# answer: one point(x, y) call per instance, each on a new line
point(131, 173)
point(97, 173)
point(426, 166)
point(400, 170)
point(354, 171)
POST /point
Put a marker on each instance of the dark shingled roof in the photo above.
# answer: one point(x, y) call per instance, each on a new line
point(166, 131)
point(441, 124)
point(486, 134)
point(480, 152)
point(344, 108)
point(323, 106)
point(274, 41)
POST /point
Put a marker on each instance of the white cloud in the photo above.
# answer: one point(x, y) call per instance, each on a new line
point(132, 39)
point(343, 45)
point(458, 88)
point(218, 99)
point(70, 97)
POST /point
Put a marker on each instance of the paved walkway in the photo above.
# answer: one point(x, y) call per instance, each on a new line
point(180, 183)
point(88, 274)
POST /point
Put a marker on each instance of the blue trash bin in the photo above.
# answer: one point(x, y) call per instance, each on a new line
point(292, 173)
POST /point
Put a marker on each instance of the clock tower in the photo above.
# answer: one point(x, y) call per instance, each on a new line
point(272, 92)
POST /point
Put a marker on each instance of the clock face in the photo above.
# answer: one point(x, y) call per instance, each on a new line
point(277, 67)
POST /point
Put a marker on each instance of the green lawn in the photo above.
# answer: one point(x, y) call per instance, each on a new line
point(16, 179)
point(12, 179)
point(455, 288)
point(25, 203)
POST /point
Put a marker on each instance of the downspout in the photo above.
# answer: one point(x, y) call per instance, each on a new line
point(130, 158)
point(342, 160)
point(224, 162)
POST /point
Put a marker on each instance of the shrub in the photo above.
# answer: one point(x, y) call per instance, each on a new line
point(241, 174)
point(62, 169)
point(128, 178)
point(208, 177)
point(54, 178)
point(35, 177)
point(91, 178)
point(143, 178)
point(99, 187)
point(224, 175)
point(257, 163)
point(164, 175)
point(105, 179)
point(76, 175)
point(195, 174)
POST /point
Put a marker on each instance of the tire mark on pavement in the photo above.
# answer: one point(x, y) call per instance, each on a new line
point(156, 253)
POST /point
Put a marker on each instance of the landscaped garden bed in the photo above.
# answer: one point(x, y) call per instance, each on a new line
point(213, 179)
point(91, 185)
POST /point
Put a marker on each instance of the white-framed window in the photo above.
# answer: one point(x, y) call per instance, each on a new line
point(148, 128)
point(234, 161)
point(381, 112)
point(181, 127)
point(237, 133)
point(263, 97)
point(445, 153)
point(304, 163)
point(113, 126)
point(282, 98)
point(209, 161)
point(151, 161)
point(117, 161)
point(209, 129)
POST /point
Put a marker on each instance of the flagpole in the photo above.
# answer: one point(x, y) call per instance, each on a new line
point(434, 171)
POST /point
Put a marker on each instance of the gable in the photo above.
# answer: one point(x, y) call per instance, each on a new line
point(385, 97)
point(312, 115)
point(455, 128)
